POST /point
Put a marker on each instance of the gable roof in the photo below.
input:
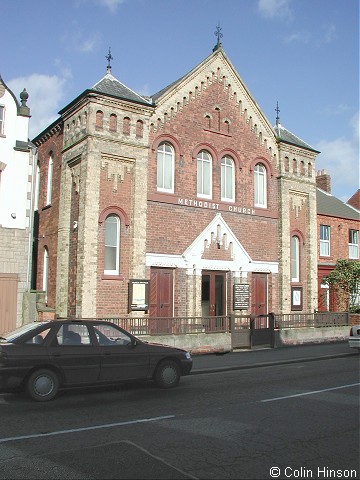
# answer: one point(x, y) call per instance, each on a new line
point(331, 206)
point(284, 135)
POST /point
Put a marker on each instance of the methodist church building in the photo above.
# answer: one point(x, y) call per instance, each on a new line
point(185, 203)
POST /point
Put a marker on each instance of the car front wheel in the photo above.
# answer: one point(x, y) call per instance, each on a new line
point(167, 374)
point(42, 385)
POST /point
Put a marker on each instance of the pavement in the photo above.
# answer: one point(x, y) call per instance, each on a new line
point(262, 357)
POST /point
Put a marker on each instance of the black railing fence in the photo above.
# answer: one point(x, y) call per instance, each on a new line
point(224, 324)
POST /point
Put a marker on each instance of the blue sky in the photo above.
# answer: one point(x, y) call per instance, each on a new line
point(302, 53)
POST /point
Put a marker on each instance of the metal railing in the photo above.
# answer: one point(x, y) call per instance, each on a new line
point(223, 324)
point(315, 320)
point(172, 325)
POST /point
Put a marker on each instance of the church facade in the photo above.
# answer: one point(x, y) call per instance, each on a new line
point(187, 203)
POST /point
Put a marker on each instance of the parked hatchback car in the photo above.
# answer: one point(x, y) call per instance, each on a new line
point(43, 357)
point(354, 337)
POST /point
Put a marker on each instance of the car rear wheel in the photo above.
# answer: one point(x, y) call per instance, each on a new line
point(42, 385)
point(167, 374)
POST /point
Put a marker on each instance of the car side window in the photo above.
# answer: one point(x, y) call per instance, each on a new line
point(69, 334)
point(107, 335)
point(38, 338)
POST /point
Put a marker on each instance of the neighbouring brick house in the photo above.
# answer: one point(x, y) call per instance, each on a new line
point(166, 204)
point(338, 233)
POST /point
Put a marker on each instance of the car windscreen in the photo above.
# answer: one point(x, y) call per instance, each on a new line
point(11, 336)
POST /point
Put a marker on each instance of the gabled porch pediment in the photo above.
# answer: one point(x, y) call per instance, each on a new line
point(202, 253)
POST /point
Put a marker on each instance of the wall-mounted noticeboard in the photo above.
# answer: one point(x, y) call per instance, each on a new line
point(139, 295)
point(241, 296)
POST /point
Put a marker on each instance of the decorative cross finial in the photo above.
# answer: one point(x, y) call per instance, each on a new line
point(108, 58)
point(277, 110)
point(219, 35)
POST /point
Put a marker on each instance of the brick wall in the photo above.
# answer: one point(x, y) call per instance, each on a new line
point(49, 214)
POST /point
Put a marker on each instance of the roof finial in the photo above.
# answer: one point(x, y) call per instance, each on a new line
point(219, 35)
point(108, 58)
point(277, 110)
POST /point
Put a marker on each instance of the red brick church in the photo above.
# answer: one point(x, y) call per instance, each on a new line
point(166, 204)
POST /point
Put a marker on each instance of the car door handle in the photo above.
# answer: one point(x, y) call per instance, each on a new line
point(107, 353)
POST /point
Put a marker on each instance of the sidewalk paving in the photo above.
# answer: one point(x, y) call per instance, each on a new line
point(260, 357)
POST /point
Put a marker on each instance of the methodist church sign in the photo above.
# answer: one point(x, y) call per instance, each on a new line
point(208, 205)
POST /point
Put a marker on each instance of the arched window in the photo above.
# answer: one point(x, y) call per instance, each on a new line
point(139, 129)
point(45, 272)
point(113, 123)
point(49, 181)
point(99, 119)
point(112, 245)
point(204, 174)
point(165, 168)
point(227, 179)
point(295, 259)
point(126, 126)
point(260, 186)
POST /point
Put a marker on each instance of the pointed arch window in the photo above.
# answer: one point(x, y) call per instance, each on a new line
point(49, 181)
point(165, 167)
point(260, 186)
point(204, 174)
point(295, 259)
point(112, 245)
point(227, 179)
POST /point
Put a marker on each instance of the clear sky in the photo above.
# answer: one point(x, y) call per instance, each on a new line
point(303, 54)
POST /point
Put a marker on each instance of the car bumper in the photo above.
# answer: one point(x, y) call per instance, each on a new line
point(354, 342)
point(9, 382)
point(186, 367)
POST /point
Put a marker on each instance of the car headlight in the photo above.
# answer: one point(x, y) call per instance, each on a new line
point(187, 355)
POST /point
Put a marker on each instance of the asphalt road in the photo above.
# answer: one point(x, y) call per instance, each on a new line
point(300, 419)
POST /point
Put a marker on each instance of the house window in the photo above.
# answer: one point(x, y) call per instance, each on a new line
point(227, 179)
point(2, 119)
point(99, 119)
point(324, 241)
point(260, 186)
point(49, 181)
point(204, 170)
point(113, 123)
point(37, 188)
point(165, 168)
point(353, 243)
point(45, 273)
point(295, 259)
point(112, 245)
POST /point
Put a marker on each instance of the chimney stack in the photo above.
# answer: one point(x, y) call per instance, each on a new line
point(323, 181)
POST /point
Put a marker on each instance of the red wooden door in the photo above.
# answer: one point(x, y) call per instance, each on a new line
point(259, 294)
point(161, 292)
